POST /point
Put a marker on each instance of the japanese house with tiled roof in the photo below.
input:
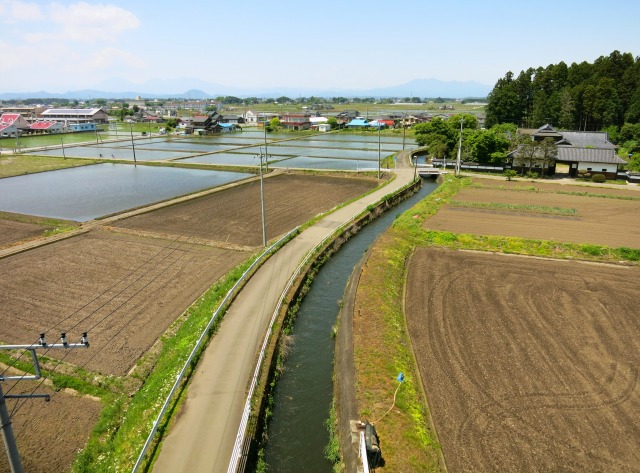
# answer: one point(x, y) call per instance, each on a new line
point(583, 151)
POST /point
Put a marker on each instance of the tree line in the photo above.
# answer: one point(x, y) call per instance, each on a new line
point(584, 96)
point(441, 137)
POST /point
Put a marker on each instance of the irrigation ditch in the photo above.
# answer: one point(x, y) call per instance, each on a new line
point(278, 344)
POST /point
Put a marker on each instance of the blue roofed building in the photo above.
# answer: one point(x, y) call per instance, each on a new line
point(358, 122)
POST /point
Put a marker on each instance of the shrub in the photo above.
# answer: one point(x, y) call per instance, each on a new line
point(510, 174)
point(598, 178)
point(532, 175)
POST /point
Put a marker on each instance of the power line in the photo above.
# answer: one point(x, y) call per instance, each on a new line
point(10, 442)
point(107, 316)
point(15, 462)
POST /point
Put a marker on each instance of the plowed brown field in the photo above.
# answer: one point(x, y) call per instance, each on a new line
point(12, 232)
point(234, 216)
point(49, 434)
point(528, 364)
point(602, 221)
point(125, 289)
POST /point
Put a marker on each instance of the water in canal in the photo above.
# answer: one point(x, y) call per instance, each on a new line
point(297, 435)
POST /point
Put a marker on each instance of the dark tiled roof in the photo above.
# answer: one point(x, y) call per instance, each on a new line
point(591, 155)
point(588, 139)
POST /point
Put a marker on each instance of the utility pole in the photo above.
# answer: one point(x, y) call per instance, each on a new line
point(133, 146)
point(458, 158)
point(264, 217)
point(266, 151)
point(378, 148)
point(404, 129)
point(15, 462)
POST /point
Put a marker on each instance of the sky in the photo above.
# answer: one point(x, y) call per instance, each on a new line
point(58, 46)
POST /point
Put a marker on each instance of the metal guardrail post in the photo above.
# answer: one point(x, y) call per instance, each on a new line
point(197, 346)
point(362, 453)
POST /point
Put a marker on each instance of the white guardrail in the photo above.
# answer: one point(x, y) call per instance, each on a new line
point(237, 449)
point(198, 345)
point(362, 453)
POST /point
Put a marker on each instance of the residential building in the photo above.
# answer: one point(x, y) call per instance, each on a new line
point(75, 115)
point(295, 121)
point(584, 152)
point(12, 124)
point(46, 127)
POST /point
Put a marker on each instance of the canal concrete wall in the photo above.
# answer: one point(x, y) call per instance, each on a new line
point(344, 371)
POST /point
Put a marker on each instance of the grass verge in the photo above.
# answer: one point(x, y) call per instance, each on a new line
point(17, 165)
point(116, 448)
point(382, 342)
point(521, 208)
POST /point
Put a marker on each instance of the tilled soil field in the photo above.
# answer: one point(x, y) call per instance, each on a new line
point(126, 287)
point(12, 232)
point(125, 290)
point(602, 221)
point(527, 364)
point(234, 215)
point(49, 434)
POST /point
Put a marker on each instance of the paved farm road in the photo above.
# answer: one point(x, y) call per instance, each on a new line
point(203, 437)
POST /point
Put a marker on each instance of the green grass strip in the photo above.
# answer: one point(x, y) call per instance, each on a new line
point(600, 196)
point(116, 449)
point(505, 207)
point(406, 234)
point(17, 165)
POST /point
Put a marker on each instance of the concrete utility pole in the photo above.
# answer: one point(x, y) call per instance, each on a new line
point(264, 217)
point(266, 151)
point(404, 129)
point(133, 146)
point(378, 148)
point(15, 462)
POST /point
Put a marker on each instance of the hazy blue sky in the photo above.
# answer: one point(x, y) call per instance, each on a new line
point(66, 45)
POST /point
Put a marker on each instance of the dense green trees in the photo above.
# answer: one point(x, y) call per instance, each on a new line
point(441, 137)
point(579, 97)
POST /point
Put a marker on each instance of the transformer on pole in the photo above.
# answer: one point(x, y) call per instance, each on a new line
point(15, 461)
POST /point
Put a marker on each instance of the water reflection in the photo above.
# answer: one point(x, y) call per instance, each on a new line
point(90, 192)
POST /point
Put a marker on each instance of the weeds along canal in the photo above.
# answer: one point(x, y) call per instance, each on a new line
point(297, 435)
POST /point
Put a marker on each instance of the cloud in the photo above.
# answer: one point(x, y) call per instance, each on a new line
point(109, 58)
point(12, 11)
point(84, 22)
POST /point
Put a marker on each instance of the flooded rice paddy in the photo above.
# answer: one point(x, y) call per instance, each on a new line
point(318, 151)
point(89, 192)
point(92, 192)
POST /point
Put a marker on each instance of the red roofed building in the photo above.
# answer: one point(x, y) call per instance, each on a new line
point(11, 124)
point(46, 127)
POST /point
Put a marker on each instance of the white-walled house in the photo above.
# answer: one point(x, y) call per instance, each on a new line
point(250, 118)
point(590, 152)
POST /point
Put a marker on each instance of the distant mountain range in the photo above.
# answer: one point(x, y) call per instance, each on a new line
point(423, 88)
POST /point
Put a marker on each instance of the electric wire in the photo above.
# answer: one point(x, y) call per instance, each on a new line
point(144, 263)
point(35, 344)
point(106, 344)
point(42, 380)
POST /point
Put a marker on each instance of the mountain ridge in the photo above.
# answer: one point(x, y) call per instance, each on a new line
point(198, 89)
